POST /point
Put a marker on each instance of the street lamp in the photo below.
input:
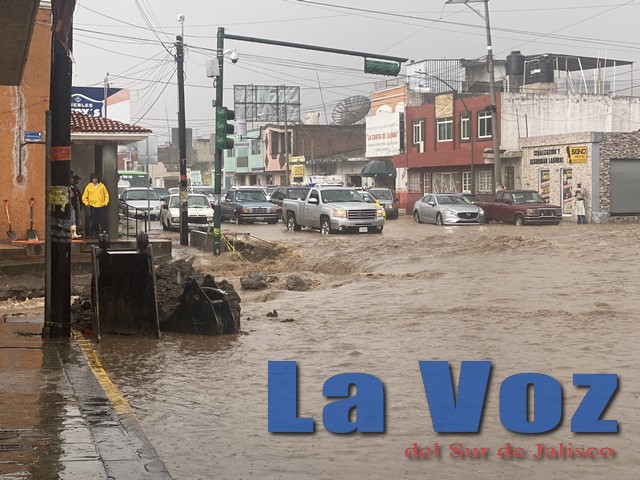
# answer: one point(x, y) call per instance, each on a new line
point(497, 177)
point(471, 134)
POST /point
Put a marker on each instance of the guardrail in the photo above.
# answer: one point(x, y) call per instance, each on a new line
point(141, 221)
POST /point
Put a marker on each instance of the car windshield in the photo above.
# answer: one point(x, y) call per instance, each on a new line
point(162, 192)
point(381, 194)
point(205, 191)
point(341, 195)
point(141, 194)
point(527, 197)
point(297, 193)
point(471, 198)
point(450, 200)
point(198, 201)
point(250, 196)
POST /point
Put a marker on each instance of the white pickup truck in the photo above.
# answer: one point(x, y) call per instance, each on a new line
point(333, 209)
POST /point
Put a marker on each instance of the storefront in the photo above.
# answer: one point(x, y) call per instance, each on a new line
point(607, 165)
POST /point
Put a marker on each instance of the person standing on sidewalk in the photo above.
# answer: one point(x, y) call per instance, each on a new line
point(74, 194)
point(581, 198)
point(96, 197)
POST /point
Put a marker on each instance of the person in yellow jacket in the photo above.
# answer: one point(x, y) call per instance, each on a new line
point(96, 198)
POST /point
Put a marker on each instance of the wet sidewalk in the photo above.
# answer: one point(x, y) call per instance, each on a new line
point(60, 416)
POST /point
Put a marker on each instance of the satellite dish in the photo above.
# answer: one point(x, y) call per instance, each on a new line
point(351, 109)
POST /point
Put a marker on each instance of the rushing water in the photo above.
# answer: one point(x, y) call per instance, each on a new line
point(556, 300)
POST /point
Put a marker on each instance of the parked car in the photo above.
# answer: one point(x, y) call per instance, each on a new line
point(138, 202)
point(446, 209)
point(387, 199)
point(522, 207)
point(292, 192)
point(206, 190)
point(248, 205)
point(371, 199)
point(199, 215)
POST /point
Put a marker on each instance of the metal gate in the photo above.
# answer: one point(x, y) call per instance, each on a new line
point(625, 194)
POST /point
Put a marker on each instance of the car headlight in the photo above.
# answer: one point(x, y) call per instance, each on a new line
point(531, 212)
point(275, 210)
point(209, 219)
point(340, 214)
point(175, 219)
point(389, 205)
point(380, 213)
point(245, 210)
point(447, 211)
point(480, 211)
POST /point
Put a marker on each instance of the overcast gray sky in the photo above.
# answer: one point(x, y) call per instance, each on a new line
point(133, 41)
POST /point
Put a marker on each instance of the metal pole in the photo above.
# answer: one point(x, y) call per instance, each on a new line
point(497, 163)
point(182, 140)
point(286, 141)
point(106, 94)
point(217, 185)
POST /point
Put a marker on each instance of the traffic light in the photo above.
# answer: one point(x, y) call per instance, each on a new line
point(223, 115)
point(381, 68)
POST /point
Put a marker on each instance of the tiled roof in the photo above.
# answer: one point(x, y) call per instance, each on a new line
point(81, 123)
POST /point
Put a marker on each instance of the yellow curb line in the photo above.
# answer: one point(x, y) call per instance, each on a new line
point(119, 403)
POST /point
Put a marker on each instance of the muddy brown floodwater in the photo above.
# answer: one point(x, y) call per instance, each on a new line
point(557, 300)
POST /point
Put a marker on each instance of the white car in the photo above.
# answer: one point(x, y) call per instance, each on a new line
point(140, 202)
point(200, 213)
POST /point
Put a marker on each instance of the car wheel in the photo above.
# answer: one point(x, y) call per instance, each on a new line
point(292, 226)
point(237, 219)
point(416, 217)
point(439, 219)
point(325, 226)
point(519, 220)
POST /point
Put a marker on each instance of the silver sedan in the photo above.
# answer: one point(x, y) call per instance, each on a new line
point(446, 209)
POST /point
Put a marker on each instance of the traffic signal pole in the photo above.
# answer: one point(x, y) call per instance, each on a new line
point(222, 114)
point(217, 183)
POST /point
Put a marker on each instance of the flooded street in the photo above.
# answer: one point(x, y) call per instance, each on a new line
point(557, 300)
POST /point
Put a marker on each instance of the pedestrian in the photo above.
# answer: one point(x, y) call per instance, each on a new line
point(581, 198)
point(76, 205)
point(96, 197)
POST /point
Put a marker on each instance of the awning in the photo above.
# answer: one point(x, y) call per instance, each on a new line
point(382, 168)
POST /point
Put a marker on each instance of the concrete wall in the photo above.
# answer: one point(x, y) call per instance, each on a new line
point(22, 108)
point(536, 115)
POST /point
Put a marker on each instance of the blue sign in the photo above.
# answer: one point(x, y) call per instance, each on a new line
point(32, 137)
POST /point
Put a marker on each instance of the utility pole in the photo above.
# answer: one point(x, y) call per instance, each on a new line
point(58, 236)
point(497, 161)
point(182, 141)
point(286, 139)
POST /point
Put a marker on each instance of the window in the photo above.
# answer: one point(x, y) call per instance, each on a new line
point(445, 129)
point(447, 182)
point(485, 181)
point(484, 124)
point(414, 181)
point(255, 147)
point(418, 132)
point(465, 127)
point(466, 182)
point(426, 182)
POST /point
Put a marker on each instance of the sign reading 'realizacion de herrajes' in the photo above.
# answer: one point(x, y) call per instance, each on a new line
point(450, 413)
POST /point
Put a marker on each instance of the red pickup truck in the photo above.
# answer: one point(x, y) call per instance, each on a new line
point(522, 207)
